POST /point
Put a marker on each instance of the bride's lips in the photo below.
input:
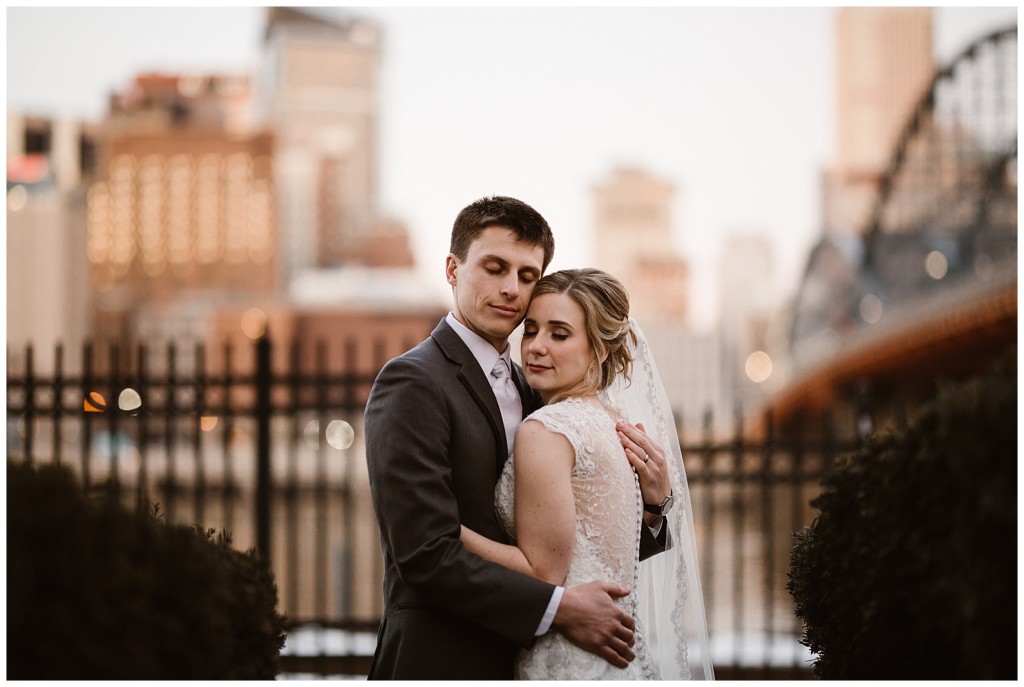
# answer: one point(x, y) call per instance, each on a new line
point(533, 367)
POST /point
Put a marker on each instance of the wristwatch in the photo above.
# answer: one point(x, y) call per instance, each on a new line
point(661, 509)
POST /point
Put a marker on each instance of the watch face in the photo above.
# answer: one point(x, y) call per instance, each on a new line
point(667, 505)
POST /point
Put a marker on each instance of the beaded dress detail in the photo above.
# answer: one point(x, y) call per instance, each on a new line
point(609, 515)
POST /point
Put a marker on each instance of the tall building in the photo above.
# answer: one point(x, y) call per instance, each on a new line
point(318, 93)
point(884, 64)
point(633, 241)
point(47, 294)
point(633, 225)
point(183, 202)
point(691, 367)
point(68, 146)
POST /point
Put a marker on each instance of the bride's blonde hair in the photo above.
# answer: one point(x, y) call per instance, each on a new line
point(605, 305)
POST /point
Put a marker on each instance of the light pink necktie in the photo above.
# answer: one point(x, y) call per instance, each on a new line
point(508, 399)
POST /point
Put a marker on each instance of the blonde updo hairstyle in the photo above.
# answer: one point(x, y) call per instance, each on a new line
point(605, 305)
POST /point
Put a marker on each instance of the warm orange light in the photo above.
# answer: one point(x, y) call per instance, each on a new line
point(758, 366)
point(98, 403)
point(207, 423)
point(254, 323)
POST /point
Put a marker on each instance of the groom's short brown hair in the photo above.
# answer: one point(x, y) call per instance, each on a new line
point(526, 223)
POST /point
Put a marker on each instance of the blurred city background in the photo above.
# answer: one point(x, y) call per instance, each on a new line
point(222, 222)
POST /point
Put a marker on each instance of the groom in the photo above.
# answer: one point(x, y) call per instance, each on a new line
point(436, 440)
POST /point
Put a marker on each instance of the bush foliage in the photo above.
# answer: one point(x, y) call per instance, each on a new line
point(910, 570)
point(96, 591)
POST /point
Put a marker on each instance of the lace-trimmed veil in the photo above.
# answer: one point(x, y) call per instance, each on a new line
point(671, 603)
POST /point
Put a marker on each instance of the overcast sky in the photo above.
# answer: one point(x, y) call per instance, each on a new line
point(734, 106)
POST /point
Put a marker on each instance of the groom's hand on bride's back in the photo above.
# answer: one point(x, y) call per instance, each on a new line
point(589, 618)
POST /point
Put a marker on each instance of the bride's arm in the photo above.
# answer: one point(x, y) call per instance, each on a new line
point(503, 554)
point(545, 510)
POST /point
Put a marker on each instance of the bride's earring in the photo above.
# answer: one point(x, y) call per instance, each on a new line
point(593, 376)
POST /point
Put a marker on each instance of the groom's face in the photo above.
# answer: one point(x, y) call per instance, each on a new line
point(492, 286)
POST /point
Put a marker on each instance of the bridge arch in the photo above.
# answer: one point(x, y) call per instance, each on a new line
point(928, 288)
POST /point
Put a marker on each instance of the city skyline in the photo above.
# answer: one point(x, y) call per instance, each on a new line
point(454, 127)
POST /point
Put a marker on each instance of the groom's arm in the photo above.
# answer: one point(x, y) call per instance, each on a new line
point(408, 430)
point(654, 539)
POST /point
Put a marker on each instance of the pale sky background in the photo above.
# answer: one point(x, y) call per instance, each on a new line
point(733, 106)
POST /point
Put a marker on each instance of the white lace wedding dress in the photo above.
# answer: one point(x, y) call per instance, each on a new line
point(609, 515)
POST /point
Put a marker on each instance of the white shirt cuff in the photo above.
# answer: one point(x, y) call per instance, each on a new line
point(655, 526)
point(549, 614)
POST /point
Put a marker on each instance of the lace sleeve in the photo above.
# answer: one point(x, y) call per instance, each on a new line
point(561, 418)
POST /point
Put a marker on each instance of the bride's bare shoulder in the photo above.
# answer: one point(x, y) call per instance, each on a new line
point(539, 447)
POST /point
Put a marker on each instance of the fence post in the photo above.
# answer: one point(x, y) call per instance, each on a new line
point(30, 404)
point(263, 447)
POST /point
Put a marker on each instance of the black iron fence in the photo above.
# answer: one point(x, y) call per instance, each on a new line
point(269, 448)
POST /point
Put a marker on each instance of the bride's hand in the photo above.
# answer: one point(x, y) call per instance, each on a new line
point(655, 481)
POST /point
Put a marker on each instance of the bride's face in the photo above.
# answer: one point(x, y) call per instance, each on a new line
point(555, 350)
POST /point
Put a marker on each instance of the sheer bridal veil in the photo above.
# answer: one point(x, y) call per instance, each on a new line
point(671, 608)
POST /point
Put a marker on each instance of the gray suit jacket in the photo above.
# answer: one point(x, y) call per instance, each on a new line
point(435, 446)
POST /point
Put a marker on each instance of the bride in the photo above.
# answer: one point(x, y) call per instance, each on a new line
point(572, 504)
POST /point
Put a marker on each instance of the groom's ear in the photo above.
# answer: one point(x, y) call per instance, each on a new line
point(451, 265)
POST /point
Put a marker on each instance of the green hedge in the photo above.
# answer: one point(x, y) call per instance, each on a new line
point(96, 591)
point(910, 570)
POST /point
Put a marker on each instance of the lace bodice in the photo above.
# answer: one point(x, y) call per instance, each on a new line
point(609, 511)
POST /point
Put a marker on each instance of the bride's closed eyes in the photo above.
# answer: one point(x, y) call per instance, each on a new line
point(527, 334)
point(530, 330)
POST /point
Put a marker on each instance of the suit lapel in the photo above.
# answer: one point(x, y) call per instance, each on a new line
point(473, 378)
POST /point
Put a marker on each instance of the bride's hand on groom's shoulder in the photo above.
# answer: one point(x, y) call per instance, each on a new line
point(648, 458)
point(589, 618)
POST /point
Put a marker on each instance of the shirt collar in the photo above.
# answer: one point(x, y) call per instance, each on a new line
point(484, 352)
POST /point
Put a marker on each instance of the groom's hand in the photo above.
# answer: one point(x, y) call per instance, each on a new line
point(588, 617)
